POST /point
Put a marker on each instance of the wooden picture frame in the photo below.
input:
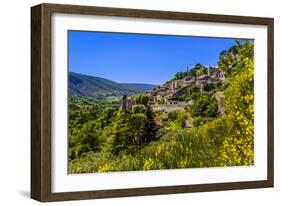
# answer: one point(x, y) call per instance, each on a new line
point(41, 95)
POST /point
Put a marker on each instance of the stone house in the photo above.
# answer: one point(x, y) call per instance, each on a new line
point(127, 102)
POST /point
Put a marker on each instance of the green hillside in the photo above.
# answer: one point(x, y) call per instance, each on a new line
point(140, 88)
point(81, 85)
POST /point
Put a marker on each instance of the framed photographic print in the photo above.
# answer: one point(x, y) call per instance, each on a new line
point(130, 102)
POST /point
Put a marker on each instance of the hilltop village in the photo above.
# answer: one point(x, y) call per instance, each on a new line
point(167, 97)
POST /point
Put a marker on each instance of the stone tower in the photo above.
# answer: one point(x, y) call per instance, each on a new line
point(124, 102)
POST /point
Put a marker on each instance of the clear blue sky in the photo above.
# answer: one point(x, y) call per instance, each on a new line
point(140, 58)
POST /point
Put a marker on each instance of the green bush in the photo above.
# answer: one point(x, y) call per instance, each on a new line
point(139, 109)
point(197, 121)
point(176, 120)
point(204, 106)
point(209, 87)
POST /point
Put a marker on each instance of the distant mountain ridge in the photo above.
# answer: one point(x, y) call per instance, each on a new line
point(91, 86)
point(140, 87)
